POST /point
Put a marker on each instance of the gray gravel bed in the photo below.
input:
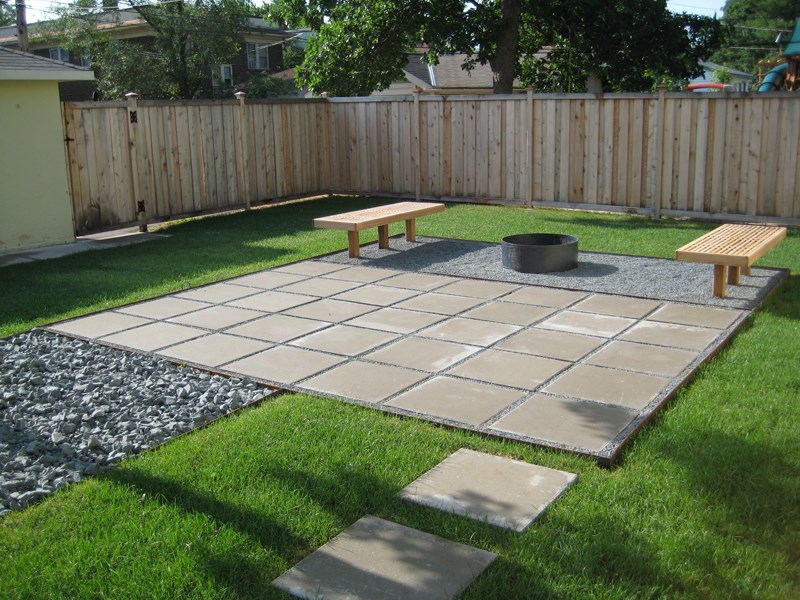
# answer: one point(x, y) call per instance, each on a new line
point(637, 276)
point(70, 409)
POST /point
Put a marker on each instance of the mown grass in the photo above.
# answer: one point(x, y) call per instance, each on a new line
point(705, 502)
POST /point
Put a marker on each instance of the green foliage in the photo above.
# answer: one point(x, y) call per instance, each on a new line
point(189, 37)
point(631, 45)
point(751, 28)
point(263, 85)
point(361, 45)
point(722, 75)
point(7, 13)
point(293, 55)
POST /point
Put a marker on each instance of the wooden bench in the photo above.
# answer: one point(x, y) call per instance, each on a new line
point(380, 217)
point(732, 249)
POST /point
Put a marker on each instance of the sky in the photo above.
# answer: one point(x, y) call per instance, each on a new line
point(39, 10)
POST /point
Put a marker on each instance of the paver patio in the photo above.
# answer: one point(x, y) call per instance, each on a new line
point(576, 370)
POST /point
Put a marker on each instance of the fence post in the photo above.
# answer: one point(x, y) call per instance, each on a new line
point(529, 157)
point(133, 160)
point(659, 155)
point(243, 163)
point(417, 140)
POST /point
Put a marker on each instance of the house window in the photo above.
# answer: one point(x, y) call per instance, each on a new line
point(86, 61)
point(59, 54)
point(257, 56)
point(222, 75)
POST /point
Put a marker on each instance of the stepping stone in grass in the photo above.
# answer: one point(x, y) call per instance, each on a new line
point(374, 559)
point(504, 492)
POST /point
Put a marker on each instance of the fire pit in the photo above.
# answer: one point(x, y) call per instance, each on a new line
point(540, 252)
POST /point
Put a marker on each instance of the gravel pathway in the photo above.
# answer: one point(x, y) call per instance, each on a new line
point(69, 409)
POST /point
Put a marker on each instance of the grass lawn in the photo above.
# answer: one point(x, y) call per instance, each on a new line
point(704, 503)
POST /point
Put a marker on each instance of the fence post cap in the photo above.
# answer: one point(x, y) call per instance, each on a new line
point(240, 95)
point(131, 95)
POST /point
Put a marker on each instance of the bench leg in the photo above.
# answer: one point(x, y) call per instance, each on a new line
point(411, 230)
point(352, 244)
point(383, 236)
point(733, 275)
point(720, 276)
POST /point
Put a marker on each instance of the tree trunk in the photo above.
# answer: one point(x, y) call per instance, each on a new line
point(504, 64)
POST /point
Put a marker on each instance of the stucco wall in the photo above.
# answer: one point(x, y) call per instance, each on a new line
point(35, 208)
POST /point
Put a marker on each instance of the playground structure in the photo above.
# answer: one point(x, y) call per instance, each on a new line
point(786, 75)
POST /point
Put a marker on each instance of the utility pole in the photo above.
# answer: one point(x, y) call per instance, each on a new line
point(22, 27)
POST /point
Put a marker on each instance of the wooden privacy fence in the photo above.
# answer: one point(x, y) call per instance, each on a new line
point(730, 156)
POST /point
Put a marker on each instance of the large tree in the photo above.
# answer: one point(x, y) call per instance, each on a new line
point(187, 39)
point(628, 45)
point(751, 28)
point(361, 45)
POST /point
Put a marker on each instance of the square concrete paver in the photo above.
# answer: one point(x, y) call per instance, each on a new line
point(700, 316)
point(364, 381)
point(99, 324)
point(284, 364)
point(422, 353)
point(272, 301)
point(278, 328)
point(216, 293)
point(267, 280)
point(217, 317)
point(363, 274)
point(154, 336)
point(332, 311)
point(671, 334)
point(374, 558)
point(343, 339)
point(610, 386)
point(440, 303)
point(377, 295)
point(310, 268)
point(586, 425)
point(163, 308)
point(501, 491)
point(469, 331)
point(418, 281)
point(512, 313)
point(475, 288)
point(397, 320)
point(587, 323)
point(656, 360)
point(322, 288)
point(551, 344)
point(545, 297)
point(509, 368)
point(617, 306)
point(215, 349)
point(458, 400)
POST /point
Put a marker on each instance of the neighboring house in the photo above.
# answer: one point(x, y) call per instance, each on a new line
point(446, 77)
point(739, 79)
point(35, 206)
point(263, 50)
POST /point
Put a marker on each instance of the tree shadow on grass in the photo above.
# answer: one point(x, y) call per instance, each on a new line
point(233, 571)
point(751, 484)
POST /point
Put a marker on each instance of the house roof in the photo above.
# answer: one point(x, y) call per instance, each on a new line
point(448, 73)
point(18, 66)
